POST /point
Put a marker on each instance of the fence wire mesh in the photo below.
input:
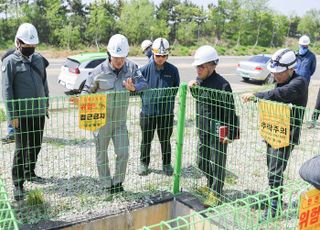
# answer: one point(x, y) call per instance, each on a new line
point(244, 213)
point(77, 182)
point(72, 188)
point(246, 158)
point(7, 217)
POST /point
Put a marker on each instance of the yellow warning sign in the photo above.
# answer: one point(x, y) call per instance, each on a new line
point(309, 215)
point(274, 125)
point(92, 111)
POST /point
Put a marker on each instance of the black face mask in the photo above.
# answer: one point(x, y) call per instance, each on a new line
point(27, 51)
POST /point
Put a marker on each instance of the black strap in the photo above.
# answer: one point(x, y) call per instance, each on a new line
point(277, 61)
point(281, 54)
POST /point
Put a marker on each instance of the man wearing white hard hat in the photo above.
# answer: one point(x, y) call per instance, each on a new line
point(306, 60)
point(146, 47)
point(158, 105)
point(212, 116)
point(9, 138)
point(24, 77)
point(118, 76)
point(291, 89)
point(306, 66)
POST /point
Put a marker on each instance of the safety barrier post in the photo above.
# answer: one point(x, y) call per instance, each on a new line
point(180, 130)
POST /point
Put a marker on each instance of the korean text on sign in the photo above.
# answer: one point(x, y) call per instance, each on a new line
point(309, 214)
point(92, 111)
point(274, 125)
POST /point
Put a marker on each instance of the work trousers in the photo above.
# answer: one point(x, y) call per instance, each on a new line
point(212, 159)
point(28, 140)
point(118, 133)
point(277, 160)
point(164, 126)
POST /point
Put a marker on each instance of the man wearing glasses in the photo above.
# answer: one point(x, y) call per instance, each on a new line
point(24, 77)
point(291, 89)
point(158, 106)
point(215, 110)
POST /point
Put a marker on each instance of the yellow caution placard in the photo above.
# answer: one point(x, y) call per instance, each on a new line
point(92, 111)
point(309, 215)
point(274, 125)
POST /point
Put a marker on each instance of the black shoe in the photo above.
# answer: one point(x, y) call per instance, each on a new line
point(36, 179)
point(143, 170)
point(8, 139)
point(271, 213)
point(167, 170)
point(117, 188)
point(18, 193)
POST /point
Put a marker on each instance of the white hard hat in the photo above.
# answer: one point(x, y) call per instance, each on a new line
point(118, 46)
point(205, 54)
point(28, 34)
point(304, 40)
point(146, 44)
point(160, 46)
point(282, 60)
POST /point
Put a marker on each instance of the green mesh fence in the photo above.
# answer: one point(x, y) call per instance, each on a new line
point(246, 158)
point(75, 163)
point(76, 176)
point(244, 213)
point(7, 218)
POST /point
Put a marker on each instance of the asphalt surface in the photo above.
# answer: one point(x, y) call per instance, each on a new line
point(226, 67)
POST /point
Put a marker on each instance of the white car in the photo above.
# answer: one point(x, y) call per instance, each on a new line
point(76, 69)
point(256, 69)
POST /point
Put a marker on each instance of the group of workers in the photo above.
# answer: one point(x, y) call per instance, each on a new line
point(24, 77)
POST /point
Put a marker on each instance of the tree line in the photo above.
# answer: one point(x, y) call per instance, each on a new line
point(72, 24)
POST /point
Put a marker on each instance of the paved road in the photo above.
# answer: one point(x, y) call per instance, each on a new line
point(226, 67)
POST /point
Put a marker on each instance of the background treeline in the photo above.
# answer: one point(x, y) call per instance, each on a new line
point(227, 24)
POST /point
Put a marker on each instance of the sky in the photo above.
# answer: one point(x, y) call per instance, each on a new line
point(283, 6)
point(287, 7)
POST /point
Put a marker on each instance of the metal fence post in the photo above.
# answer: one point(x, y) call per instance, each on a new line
point(180, 130)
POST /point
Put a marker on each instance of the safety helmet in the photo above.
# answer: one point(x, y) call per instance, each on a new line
point(282, 60)
point(304, 40)
point(160, 46)
point(118, 46)
point(146, 44)
point(205, 54)
point(28, 34)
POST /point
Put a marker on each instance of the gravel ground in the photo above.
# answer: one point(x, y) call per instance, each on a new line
point(73, 191)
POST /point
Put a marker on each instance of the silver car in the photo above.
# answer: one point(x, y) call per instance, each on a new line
point(256, 69)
